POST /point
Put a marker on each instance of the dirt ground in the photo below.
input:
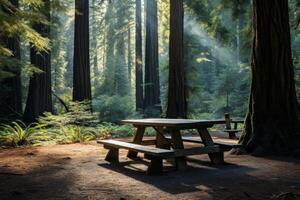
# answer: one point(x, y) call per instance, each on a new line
point(78, 171)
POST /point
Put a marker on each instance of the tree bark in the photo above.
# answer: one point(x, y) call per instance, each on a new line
point(39, 99)
point(271, 122)
point(121, 78)
point(121, 68)
point(152, 89)
point(139, 94)
point(177, 106)
point(94, 44)
point(11, 93)
point(108, 85)
point(129, 62)
point(81, 62)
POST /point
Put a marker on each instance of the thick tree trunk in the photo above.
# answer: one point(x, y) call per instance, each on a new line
point(138, 57)
point(81, 62)
point(39, 99)
point(11, 94)
point(152, 89)
point(271, 122)
point(177, 106)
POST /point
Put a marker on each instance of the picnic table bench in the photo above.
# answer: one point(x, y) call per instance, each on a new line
point(166, 147)
point(228, 129)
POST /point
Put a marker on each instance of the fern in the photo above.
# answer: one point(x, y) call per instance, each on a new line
point(74, 134)
point(79, 114)
point(17, 133)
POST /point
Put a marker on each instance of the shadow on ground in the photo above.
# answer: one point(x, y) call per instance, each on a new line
point(79, 171)
point(201, 179)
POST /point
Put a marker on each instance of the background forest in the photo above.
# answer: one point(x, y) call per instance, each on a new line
point(217, 41)
point(217, 49)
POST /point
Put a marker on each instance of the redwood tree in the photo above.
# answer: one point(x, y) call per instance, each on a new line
point(271, 122)
point(39, 99)
point(177, 107)
point(138, 57)
point(121, 72)
point(129, 62)
point(152, 89)
point(81, 62)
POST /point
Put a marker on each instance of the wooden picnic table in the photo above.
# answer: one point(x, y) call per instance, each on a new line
point(168, 146)
point(174, 126)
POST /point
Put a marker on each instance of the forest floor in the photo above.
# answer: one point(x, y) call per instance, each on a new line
point(78, 171)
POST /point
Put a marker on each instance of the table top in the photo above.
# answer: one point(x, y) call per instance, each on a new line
point(181, 123)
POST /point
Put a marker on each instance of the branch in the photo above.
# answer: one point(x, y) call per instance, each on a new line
point(61, 101)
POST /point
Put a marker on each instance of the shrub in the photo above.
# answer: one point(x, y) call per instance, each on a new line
point(74, 134)
point(114, 108)
point(106, 130)
point(17, 133)
point(79, 114)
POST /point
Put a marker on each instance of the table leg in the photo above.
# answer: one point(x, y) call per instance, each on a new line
point(155, 166)
point(161, 141)
point(178, 144)
point(232, 136)
point(112, 155)
point(137, 140)
point(216, 158)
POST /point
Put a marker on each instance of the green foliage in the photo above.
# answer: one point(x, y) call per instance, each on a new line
point(73, 134)
point(295, 40)
point(114, 108)
point(210, 77)
point(17, 134)
point(79, 114)
point(106, 130)
point(215, 58)
point(17, 23)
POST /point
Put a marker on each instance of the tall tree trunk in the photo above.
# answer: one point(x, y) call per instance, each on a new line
point(152, 89)
point(121, 78)
point(95, 45)
point(81, 62)
point(129, 62)
point(271, 122)
point(39, 99)
point(121, 68)
point(108, 85)
point(11, 95)
point(139, 94)
point(177, 106)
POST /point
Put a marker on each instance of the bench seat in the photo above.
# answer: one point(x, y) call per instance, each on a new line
point(154, 154)
point(224, 146)
point(232, 132)
point(164, 153)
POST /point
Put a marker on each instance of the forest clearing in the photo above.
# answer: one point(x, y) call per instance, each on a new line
point(78, 171)
point(150, 99)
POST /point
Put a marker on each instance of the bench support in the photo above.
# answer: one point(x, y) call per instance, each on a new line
point(112, 155)
point(232, 133)
point(138, 138)
point(161, 141)
point(216, 158)
point(155, 166)
point(178, 144)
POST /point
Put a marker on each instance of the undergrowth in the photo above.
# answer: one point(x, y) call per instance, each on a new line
point(17, 134)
